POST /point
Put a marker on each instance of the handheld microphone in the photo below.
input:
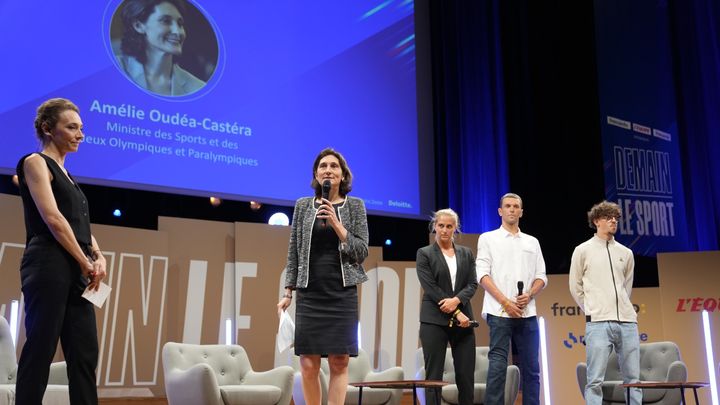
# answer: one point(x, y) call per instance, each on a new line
point(520, 285)
point(325, 195)
point(473, 323)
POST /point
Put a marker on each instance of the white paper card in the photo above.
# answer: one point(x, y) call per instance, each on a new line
point(98, 297)
point(286, 332)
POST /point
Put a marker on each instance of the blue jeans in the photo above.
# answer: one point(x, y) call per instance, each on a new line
point(600, 339)
point(526, 335)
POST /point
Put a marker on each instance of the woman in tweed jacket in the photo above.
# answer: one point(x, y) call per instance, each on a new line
point(328, 243)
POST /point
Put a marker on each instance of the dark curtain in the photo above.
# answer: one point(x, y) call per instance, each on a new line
point(696, 34)
point(553, 120)
point(470, 145)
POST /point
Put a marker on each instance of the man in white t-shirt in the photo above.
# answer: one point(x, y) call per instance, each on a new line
point(511, 269)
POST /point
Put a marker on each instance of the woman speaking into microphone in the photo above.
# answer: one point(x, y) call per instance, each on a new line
point(328, 243)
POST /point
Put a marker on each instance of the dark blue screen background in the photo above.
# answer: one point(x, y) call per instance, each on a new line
point(300, 75)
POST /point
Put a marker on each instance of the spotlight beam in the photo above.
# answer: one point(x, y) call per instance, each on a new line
point(710, 357)
point(544, 358)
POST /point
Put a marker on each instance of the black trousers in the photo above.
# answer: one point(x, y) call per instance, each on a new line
point(434, 340)
point(52, 286)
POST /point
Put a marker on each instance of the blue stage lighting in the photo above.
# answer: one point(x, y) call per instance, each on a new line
point(117, 213)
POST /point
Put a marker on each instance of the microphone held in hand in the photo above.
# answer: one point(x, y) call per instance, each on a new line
point(325, 195)
point(520, 285)
point(326, 189)
point(473, 323)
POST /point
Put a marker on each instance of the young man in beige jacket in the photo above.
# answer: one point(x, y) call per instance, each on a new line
point(601, 277)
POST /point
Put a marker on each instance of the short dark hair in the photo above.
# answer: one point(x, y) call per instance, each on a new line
point(48, 114)
point(604, 209)
point(510, 195)
point(134, 43)
point(345, 183)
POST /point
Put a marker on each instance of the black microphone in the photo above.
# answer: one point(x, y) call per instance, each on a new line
point(325, 195)
point(473, 323)
point(520, 290)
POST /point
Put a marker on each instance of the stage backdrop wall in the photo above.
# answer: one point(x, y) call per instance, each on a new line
point(689, 284)
point(182, 282)
point(565, 324)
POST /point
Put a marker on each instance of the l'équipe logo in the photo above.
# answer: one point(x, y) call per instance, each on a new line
point(698, 304)
point(561, 310)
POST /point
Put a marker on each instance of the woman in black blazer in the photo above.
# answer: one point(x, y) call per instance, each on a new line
point(447, 275)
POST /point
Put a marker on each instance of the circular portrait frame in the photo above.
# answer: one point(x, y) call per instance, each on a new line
point(198, 54)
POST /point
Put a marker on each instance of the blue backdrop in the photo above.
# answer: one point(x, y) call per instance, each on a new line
point(696, 28)
point(471, 147)
point(287, 79)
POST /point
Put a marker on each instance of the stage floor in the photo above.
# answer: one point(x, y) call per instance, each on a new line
point(406, 400)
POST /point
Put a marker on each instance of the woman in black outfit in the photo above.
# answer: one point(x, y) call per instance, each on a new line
point(447, 275)
point(328, 243)
point(61, 260)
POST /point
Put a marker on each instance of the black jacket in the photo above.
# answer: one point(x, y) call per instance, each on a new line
point(434, 277)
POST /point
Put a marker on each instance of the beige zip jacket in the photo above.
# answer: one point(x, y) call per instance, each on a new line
point(601, 278)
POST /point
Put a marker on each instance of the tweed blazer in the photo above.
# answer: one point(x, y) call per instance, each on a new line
point(352, 253)
point(434, 276)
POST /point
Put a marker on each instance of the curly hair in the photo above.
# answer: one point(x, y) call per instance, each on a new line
point(604, 209)
point(48, 115)
point(345, 183)
point(133, 43)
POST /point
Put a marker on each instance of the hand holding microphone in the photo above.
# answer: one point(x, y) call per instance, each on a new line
point(522, 299)
point(461, 320)
point(325, 196)
point(471, 323)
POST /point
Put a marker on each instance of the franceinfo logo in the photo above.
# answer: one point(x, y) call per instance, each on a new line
point(578, 339)
point(572, 340)
point(561, 310)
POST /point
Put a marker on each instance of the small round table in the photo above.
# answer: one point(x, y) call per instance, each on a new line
point(401, 384)
point(668, 385)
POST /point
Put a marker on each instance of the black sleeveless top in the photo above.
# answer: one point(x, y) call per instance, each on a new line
point(69, 198)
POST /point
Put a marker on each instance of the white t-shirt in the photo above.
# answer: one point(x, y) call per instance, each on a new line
point(452, 265)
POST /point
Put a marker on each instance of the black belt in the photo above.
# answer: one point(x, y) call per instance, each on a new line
point(587, 319)
point(46, 237)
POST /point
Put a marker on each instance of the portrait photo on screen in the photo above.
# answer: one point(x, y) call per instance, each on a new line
point(165, 47)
